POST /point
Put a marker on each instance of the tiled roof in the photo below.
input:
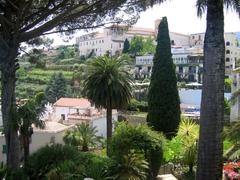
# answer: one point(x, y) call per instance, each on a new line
point(73, 102)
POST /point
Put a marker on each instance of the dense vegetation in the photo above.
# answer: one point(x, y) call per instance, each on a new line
point(163, 99)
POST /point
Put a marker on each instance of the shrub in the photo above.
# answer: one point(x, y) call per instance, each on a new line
point(136, 105)
point(48, 158)
point(66, 162)
point(138, 139)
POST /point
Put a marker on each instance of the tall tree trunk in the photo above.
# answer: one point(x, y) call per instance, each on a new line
point(8, 79)
point(109, 123)
point(212, 109)
point(26, 142)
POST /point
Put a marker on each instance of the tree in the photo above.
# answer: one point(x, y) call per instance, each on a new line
point(212, 105)
point(149, 46)
point(140, 45)
point(163, 99)
point(108, 85)
point(22, 21)
point(29, 114)
point(56, 88)
point(136, 45)
point(82, 135)
point(126, 46)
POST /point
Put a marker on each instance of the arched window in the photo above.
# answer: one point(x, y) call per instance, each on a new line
point(227, 59)
point(227, 51)
point(227, 43)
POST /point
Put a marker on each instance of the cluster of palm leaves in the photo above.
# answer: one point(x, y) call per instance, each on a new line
point(30, 114)
point(232, 134)
point(83, 136)
point(188, 132)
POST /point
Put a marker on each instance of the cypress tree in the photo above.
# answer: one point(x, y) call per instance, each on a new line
point(163, 98)
point(56, 88)
point(126, 46)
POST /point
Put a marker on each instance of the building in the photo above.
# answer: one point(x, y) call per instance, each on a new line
point(71, 111)
point(188, 61)
point(235, 106)
point(232, 48)
point(112, 38)
point(52, 134)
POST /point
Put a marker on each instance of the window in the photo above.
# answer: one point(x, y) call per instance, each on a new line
point(227, 59)
point(172, 42)
point(227, 51)
point(199, 37)
point(193, 37)
point(227, 43)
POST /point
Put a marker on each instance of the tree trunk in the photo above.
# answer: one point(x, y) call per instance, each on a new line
point(26, 142)
point(8, 79)
point(212, 109)
point(109, 124)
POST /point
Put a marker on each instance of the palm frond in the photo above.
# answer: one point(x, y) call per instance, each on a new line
point(229, 4)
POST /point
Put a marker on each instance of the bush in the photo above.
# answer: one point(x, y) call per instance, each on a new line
point(48, 158)
point(138, 139)
point(136, 105)
point(65, 162)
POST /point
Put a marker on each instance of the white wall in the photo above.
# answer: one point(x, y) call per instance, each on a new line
point(41, 138)
point(101, 125)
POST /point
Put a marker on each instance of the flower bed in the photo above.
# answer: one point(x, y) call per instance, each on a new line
point(232, 171)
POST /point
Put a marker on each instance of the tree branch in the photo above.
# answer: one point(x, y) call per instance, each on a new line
point(80, 11)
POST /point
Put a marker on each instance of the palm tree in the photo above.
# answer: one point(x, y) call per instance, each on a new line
point(108, 85)
point(188, 132)
point(131, 167)
point(29, 114)
point(82, 135)
point(212, 108)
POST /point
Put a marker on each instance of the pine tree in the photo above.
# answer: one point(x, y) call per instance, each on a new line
point(56, 88)
point(126, 46)
point(163, 98)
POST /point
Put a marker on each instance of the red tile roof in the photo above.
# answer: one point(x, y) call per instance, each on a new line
point(73, 102)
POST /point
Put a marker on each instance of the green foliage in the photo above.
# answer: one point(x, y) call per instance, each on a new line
point(65, 52)
point(227, 85)
point(126, 46)
point(141, 46)
point(83, 136)
point(163, 98)
point(56, 88)
point(136, 105)
point(227, 107)
point(183, 148)
point(108, 78)
point(130, 166)
point(232, 136)
point(65, 162)
point(172, 152)
point(140, 139)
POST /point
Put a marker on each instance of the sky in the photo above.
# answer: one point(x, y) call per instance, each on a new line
point(182, 18)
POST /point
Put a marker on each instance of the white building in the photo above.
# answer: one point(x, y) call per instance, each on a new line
point(112, 38)
point(232, 49)
point(79, 110)
point(188, 61)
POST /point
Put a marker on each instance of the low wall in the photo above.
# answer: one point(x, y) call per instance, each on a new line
point(39, 139)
